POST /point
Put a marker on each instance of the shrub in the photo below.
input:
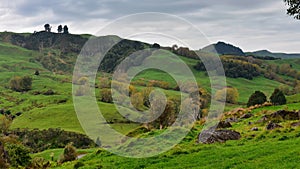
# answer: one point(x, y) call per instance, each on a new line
point(39, 163)
point(232, 95)
point(18, 155)
point(106, 96)
point(137, 100)
point(70, 153)
point(257, 97)
point(20, 84)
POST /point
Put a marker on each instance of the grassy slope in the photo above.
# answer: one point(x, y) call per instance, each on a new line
point(50, 114)
point(248, 153)
point(262, 149)
point(244, 86)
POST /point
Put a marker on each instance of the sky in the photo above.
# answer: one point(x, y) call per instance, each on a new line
point(249, 24)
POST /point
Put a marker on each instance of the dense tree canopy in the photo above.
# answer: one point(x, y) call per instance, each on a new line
point(293, 8)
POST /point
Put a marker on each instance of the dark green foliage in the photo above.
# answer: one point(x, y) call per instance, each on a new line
point(39, 140)
point(70, 153)
point(3, 157)
point(277, 97)
point(294, 8)
point(18, 155)
point(36, 73)
point(156, 46)
point(66, 29)
point(59, 29)
point(20, 84)
point(78, 165)
point(224, 49)
point(257, 97)
point(234, 69)
point(119, 52)
point(47, 27)
point(39, 163)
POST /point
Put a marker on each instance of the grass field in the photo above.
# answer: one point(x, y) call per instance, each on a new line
point(257, 149)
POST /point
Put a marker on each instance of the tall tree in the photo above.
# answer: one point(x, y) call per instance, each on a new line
point(47, 27)
point(293, 8)
point(66, 29)
point(59, 29)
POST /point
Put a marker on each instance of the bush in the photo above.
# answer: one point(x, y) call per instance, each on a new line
point(78, 165)
point(257, 97)
point(278, 98)
point(39, 163)
point(106, 96)
point(18, 155)
point(232, 95)
point(70, 153)
point(20, 84)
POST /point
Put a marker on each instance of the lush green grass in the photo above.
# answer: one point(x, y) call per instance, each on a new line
point(245, 87)
point(256, 149)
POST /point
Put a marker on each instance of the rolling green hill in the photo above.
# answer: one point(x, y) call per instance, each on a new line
point(49, 104)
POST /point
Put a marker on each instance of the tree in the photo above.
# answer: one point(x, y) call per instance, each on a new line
point(257, 97)
point(59, 29)
point(66, 29)
point(156, 46)
point(293, 8)
point(47, 27)
point(277, 97)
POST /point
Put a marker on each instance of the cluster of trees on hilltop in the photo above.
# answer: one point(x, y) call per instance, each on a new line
point(60, 29)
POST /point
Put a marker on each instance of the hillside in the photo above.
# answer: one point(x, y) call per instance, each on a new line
point(49, 102)
point(264, 53)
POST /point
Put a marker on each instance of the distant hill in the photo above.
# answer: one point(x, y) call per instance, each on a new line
point(224, 49)
point(264, 53)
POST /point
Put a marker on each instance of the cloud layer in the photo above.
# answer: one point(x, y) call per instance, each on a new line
point(250, 24)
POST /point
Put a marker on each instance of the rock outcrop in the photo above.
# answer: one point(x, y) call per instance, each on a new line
point(212, 136)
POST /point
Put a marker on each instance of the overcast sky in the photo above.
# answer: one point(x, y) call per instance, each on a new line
point(249, 24)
